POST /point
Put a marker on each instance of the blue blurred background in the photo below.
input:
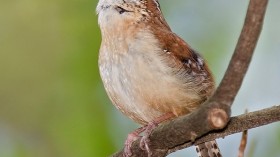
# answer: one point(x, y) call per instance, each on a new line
point(52, 101)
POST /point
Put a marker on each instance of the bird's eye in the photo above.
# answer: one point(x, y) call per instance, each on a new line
point(121, 10)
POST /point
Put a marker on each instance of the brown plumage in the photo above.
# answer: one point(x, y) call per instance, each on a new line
point(147, 70)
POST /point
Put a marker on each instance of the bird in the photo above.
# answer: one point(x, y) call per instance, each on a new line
point(149, 73)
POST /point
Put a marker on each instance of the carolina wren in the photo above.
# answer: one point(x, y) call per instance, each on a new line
point(149, 73)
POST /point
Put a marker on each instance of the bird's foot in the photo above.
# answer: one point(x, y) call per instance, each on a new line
point(145, 140)
point(131, 137)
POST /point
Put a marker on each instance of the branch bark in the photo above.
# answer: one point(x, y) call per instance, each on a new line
point(215, 113)
point(238, 124)
point(243, 53)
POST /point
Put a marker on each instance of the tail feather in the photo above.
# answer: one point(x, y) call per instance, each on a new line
point(208, 149)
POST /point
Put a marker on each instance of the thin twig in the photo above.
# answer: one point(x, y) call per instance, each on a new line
point(243, 143)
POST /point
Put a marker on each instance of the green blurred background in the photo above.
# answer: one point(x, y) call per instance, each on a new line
point(52, 101)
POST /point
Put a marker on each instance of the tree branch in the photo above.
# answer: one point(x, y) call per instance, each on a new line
point(235, 125)
point(243, 53)
point(214, 114)
point(238, 124)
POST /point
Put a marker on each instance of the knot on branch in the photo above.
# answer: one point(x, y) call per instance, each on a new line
point(217, 118)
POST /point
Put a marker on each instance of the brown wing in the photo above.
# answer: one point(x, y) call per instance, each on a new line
point(186, 62)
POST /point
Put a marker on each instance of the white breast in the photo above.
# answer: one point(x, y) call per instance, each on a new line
point(138, 80)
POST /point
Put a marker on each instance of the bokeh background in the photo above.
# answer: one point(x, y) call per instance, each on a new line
point(52, 101)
